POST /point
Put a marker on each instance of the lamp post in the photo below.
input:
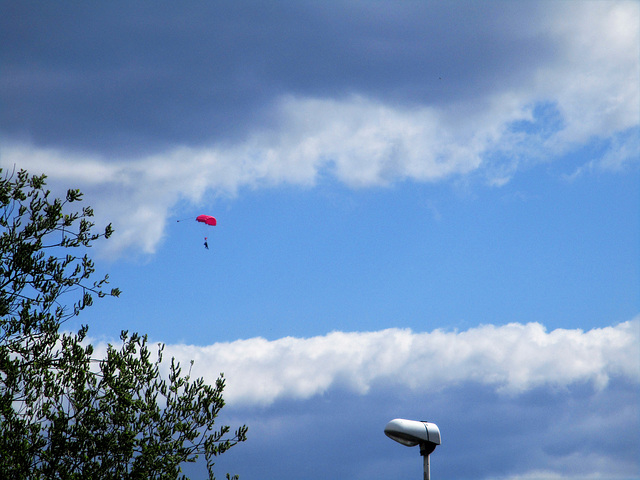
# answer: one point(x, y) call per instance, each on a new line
point(411, 433)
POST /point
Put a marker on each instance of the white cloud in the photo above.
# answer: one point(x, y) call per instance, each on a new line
point(513, 358)
point(595, 78)
point(624, 154)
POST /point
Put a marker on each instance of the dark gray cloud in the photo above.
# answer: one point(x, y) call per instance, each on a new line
point(131, 78)
point(568, 433)
point(246, 94)
point(143, 76)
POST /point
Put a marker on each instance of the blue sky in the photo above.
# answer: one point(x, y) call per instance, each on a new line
point(426, 210)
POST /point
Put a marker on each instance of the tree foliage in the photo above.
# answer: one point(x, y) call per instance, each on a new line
point(63, 413)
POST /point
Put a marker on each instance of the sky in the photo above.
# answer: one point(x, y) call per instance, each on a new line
point(426, 210)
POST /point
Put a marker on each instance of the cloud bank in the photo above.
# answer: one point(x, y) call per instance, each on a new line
point(512, 359)
point(512, 402)
point(569, 78)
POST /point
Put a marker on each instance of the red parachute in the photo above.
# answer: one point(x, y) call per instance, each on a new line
point(208, 219)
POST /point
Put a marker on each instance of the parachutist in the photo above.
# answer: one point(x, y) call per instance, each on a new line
point(206, 220)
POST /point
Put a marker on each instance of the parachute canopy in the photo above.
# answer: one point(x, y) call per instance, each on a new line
point(208, 219)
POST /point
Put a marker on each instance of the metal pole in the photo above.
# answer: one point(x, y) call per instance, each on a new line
point(427, 467)
point(425, 451)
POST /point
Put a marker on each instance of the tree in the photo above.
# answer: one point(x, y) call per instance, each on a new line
point(63, 413)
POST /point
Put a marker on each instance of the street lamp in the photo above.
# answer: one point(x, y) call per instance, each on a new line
point(411, 433)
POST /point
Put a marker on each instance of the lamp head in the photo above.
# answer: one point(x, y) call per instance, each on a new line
point(412, 432)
